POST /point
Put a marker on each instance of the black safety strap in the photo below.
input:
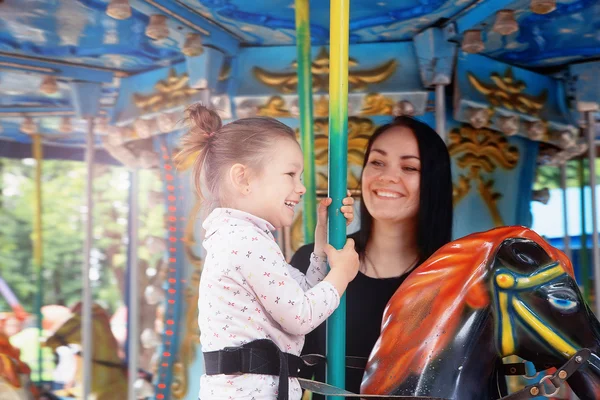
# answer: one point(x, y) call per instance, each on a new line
point(257, 357)
point(556, 380)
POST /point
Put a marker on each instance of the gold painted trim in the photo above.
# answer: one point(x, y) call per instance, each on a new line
point(480, 151)
point(547, 334)
point(178, 17)
point(507, 338)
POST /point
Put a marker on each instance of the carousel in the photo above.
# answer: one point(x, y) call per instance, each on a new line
point(510, 85)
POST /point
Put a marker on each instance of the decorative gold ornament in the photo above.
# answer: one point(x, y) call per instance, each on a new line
point(376, 104)
point(321, 107)
point(481, 151)
point(171, 92)
point(275, 107)
point(358, 80)
point(507, 93)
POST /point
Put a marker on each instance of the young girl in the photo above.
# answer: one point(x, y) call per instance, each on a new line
point(254, 309)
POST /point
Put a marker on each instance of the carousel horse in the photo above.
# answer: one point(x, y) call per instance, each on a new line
point(109, 374)
point(15, 382)
point(475, 301)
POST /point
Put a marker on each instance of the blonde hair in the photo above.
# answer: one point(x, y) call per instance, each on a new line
point(216, 147)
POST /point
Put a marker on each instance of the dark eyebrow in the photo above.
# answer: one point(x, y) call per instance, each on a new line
point(384, 153)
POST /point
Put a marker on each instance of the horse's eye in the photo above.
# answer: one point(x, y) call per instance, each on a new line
point(563, 303)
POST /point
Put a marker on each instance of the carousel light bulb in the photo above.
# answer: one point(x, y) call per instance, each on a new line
point(166, 122)
point(403, 107)
point(472, 42)
point(28, 126)
point(153, 295)
point(116, 136)
point(65, 125)
point(543, 6)
point(118, 9)
point(505, 23)
point(479, 117)
point(149, 338)
point(143, 389)
point(536, 130)
point(509, 125)
point(49, 85)
point(157, 28)
point(193, 45)
point(566, 139)
point(143, 128)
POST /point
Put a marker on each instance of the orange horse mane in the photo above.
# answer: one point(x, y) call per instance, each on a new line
point(423, 315)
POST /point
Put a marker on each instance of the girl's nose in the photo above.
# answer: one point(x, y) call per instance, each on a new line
point(301, 189)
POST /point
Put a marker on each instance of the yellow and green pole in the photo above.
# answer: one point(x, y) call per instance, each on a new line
point(37, 242)
point(305, 101)
point(338, 160)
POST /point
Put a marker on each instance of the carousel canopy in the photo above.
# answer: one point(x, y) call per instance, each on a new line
point(132, 65)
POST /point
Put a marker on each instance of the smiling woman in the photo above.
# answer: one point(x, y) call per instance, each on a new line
point(406, 215)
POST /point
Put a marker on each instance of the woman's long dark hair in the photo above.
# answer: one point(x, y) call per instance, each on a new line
point(434, 218)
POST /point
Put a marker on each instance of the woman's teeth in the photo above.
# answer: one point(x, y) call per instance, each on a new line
point(391, 195)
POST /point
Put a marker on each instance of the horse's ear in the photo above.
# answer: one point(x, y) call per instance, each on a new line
point(477, 296)
point(76, 309)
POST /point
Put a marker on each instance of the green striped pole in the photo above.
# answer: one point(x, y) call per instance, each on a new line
point(305, 101)
point(338, 160)
point(38, 154)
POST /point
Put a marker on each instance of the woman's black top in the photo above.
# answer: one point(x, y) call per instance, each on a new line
point(366, 299)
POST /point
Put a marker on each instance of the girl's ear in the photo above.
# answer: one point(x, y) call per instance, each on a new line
point(239, 176)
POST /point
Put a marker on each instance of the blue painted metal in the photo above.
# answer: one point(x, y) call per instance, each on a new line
point(476, 15)
point(535, 85)
point(145, 84)
point(528, 166)
point(86, 99)
point(280, 59)
point(436, 57)
point(272, 22)
point(184, 19)
point(176, 274)
point(567, 34)
point(586, 85)
point(204, 69)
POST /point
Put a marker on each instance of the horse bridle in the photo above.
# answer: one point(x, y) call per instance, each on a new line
point(507, 285)
point(62, 340)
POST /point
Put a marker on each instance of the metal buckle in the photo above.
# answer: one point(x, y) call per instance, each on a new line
point(230, 360)
point(543, 387)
